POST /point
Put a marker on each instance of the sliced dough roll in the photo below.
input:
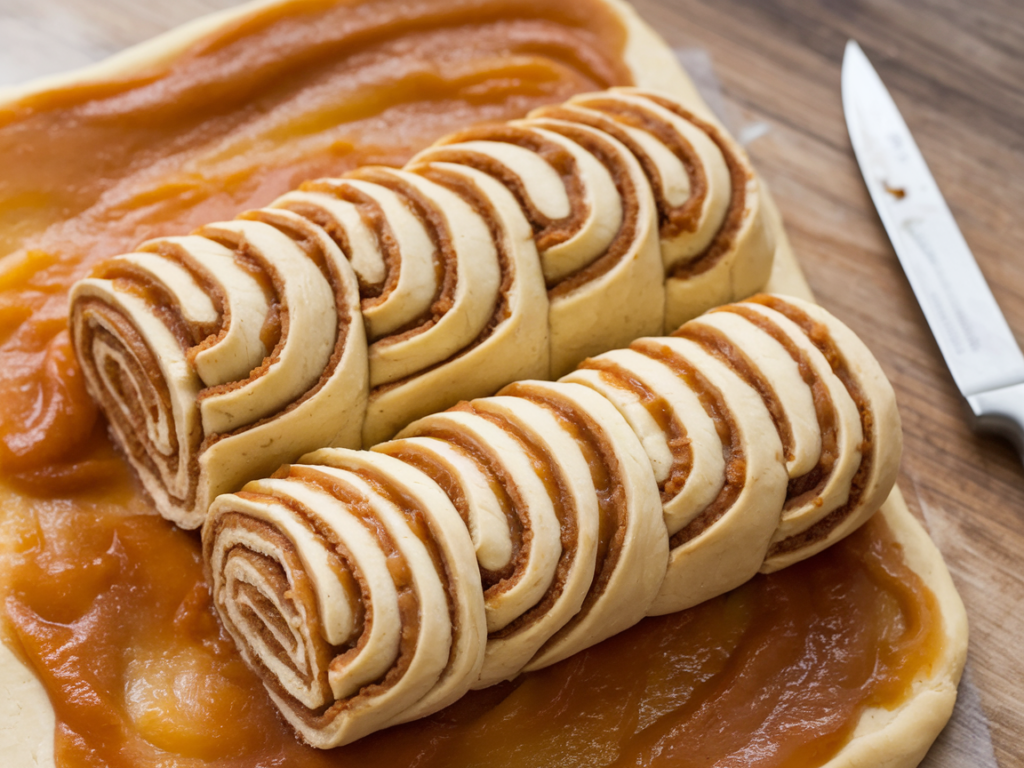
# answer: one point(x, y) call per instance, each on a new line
point(453, 296)
point(770, 365)
point(554, 514)
point(351, 587)
point(716, 243)
point(678, 434)
point(388, 246)
point(502, 253)
point(486, 325)
point(220, 355)
point(588, 545)
point(721, 544)
point(632, 546)
point(593, 220)
point(868, 474)
point(551, 516)
point(815, 415)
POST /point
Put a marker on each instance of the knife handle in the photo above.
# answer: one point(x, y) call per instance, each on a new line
point(1001, 411)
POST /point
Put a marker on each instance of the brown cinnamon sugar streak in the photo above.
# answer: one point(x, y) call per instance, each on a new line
point(520, 514)
point(734, 214)
point(728, 353)
point(661, 412)
point(819, 336)
point(810, 484)
point(713, 403)
point(547, 233)
point(624, 238)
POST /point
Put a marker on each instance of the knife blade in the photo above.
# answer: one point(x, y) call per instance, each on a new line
point(975, 340)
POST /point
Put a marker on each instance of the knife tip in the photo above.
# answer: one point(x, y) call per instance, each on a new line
point(855, 62)
point(852, 50)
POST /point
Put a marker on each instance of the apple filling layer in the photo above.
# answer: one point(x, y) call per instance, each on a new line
point(140, 672)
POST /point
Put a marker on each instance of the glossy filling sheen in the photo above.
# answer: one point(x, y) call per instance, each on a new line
point(234, 122)
point(107, 602)
point(139, 670)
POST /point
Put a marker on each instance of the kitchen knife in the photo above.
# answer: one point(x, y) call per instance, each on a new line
point(977, 344)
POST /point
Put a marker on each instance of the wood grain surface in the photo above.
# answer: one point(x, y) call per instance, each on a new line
point(956, 69)
point(957, 73)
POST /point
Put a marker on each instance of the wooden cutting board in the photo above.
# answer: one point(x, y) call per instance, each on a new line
point(771, 68)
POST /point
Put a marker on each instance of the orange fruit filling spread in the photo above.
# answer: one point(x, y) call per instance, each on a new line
point(107, 602)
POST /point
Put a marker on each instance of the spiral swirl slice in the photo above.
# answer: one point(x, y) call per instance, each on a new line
point(217, 357)
point(724, 544)
point(509, 532)
point(352, 587)
point(502, 253)
point(862, 445)
point(594, 223)
point(715, 241)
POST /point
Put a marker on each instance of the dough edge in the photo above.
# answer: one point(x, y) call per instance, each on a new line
point(883, 739)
